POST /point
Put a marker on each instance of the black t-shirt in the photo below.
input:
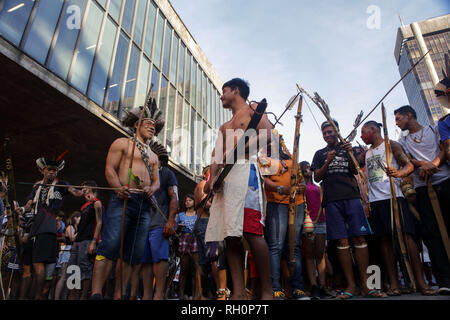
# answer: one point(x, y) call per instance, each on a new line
point(45, 219)
point(166, 179)
point(87, 224)
point(339, 182)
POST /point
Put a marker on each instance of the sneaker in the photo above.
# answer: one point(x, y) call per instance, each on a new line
point(96, 296)
point(279, 295)
point(299, 295)
point(315, 293)
point(444, 291)
point(326, 294)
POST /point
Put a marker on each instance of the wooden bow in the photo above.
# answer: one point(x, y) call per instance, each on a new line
point(293, 186)
point(394, 203)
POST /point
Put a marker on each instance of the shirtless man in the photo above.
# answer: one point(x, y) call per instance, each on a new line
point(137, 216)
point(239, 209)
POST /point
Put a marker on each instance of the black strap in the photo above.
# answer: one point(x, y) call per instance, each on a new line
point(254, 121)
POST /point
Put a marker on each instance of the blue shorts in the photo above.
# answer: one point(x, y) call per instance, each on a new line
point(346, 218)
point(156, 247)
point(137, 222)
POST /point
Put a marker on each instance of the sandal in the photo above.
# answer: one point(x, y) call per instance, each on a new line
point(223, 294)
point(393, 292)
point(344, 295)
point(375, 294)
point(428, 291)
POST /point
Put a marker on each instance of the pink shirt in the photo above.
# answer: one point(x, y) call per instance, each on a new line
point(313, 201)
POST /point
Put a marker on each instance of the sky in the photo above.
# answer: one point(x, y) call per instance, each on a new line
point(344, 50)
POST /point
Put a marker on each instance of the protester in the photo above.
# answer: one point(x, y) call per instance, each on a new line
point(345, 214)
point(277, 188)
point(380, 197)
point(45, 200)
point(316, 244)
point(188, 245)
point(137, 210)
point(423, 146)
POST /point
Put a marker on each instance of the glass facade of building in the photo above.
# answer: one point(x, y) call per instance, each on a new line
point(112, 51)
point(418, 85)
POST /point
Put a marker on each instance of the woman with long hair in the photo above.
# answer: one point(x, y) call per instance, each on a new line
point(188, 246)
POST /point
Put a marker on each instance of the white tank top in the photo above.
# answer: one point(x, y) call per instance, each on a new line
point(379, 188)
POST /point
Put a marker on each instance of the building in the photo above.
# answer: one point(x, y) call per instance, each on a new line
point(413, 41)
point(71, 68)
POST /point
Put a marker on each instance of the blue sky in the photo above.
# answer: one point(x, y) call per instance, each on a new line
point(325, 46)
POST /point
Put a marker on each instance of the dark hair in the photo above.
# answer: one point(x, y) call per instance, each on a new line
point(164, 160)
point(373, 124)
point(303, 165)
point(90, 183)
point(242, 85)
point(190, 196)
point(327, 124)
point(405, 110)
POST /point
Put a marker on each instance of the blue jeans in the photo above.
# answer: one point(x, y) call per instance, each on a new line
point(137, 222)
point(277, 237)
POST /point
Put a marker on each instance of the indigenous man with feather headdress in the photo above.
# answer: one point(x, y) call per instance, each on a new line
point(144, 173)
point(45, 202)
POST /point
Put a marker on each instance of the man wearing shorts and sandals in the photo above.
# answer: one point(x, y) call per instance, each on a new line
point(345, 214)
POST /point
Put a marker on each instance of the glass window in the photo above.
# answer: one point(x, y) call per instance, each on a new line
point(199, 90)
point(102, 63)
point(130, 82)
point(155, 82)
point(214, 107)
point(185, 135)
point(194, 84)
point(192, 144)
point(127, 18)
point(198, 152)
point(114, 8)
point(158, 44)
point(207, 143)
point(173, 64)
point(150, 27)
point(170, 118)
point(181, 68)
point(115, 83)
point(61, 55)
point(187, 87)
point(42, 29)
point(81, 68)
point(102, 2)
point(144, 72)
point(163, 94)
point(177, 133)
point(166, 56)
point(204, 89)
point(139, 24)
point(208, 101)
point(13, 19)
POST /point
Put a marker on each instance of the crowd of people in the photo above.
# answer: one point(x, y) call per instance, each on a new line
point(353, 208)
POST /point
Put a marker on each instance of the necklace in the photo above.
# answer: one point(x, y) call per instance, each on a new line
point(415, 139)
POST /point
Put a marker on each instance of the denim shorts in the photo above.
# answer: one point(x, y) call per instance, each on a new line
point(320, 228)
point(156, 247)
point(137, 222)
point(346, 218)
